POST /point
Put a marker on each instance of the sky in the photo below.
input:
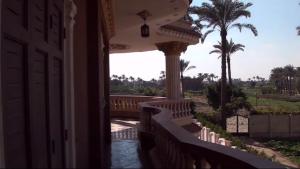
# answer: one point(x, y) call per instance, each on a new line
point(276, 45)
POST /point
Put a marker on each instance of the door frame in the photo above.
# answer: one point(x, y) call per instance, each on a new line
point(2, 157)
point(70, 11)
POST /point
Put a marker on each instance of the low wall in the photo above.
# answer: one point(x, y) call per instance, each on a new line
point(274, 126)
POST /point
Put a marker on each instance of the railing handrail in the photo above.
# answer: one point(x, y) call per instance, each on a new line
point(228, 156)
point(137, 96)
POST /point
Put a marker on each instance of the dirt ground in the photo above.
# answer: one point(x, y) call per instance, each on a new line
point(277, 156)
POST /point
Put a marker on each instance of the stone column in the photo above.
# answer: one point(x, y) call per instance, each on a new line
point(172, 51)
point(70, 13)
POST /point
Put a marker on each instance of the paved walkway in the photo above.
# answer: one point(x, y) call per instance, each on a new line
point(125, 152)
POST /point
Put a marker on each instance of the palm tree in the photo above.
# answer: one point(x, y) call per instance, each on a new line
point(211, 77)
point(140, 82)
point(123, 77)
point(203, 76)
point(278, 77)
point(115, 77)
point(231, 48)
point(120, 78)
point(290, 75)
point(162, 78)
point(184, 66)
point(222, 15)
point(132, 80)
point(162, 75)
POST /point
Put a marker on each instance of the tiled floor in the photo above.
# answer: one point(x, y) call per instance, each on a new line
point(125, 152)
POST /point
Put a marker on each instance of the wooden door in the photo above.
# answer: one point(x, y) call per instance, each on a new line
point(31, 66)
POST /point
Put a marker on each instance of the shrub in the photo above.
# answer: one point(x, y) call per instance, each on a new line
point(193, 107)
point(151, 91)
point(214, 94)
point(236, 98)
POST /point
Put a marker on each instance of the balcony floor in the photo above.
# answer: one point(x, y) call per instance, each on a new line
point(125, 151)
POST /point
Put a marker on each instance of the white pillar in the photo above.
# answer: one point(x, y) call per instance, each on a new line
point(172, 51)
point(202, 133)
point(208, 135)
point(70, 148)
point(213, 137)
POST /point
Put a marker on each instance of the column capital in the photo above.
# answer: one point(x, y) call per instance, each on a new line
point(172, 48)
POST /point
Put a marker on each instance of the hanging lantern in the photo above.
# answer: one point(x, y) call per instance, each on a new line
point(145, 31)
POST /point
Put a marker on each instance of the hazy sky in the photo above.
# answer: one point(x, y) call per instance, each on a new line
point(277, 45)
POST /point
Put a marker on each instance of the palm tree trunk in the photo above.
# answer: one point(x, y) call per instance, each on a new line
point(229, 71)
point(182, 87)
point(223, 78)
point(290, 86)
point(287, 84)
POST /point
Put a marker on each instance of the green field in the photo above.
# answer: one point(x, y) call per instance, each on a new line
point(267, 105)
point(274, 106)
point(291, 149)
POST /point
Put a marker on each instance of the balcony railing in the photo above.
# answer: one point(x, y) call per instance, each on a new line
point(175, 147)
point(123, 106)
point(170, 145)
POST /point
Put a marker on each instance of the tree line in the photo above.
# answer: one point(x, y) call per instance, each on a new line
point(286, 79)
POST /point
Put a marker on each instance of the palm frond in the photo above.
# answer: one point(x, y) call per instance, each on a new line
point(184, 65)
point(215, 51)
point(218, 47)
point(206, 34)
point(222, 15)
point(233, 47)
point(191, 67)
point(247, 26)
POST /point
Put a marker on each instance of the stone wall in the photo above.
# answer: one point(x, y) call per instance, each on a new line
point(274, 126)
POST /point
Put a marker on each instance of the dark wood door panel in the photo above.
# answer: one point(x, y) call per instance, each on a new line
point(56, 25)
point(15, 18)
point(56, 120)
point(15, 11)
point(32, 78)
point(40, 20)
point(14, 102)
point(39, 110)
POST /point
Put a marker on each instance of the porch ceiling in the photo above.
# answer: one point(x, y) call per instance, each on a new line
point(163, 12)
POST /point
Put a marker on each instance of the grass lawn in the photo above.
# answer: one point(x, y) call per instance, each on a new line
point(291, 149)
point(274, 106)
